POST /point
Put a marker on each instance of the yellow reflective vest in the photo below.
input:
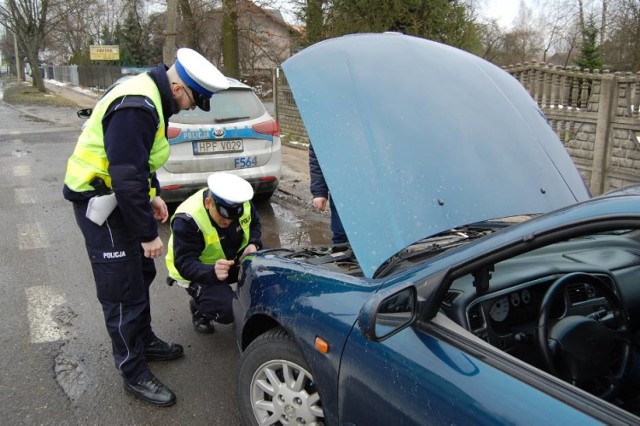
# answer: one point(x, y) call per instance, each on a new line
point(194, 207)
point(89, 159)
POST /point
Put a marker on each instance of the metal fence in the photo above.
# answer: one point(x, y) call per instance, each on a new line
point(98, 76)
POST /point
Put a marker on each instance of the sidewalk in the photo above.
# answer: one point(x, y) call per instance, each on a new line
point(294, 181)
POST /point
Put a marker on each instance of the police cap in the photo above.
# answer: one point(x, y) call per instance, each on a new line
point(229, 192)
point(202, 77)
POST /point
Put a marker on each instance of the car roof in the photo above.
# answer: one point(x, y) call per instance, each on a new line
point(416, 137)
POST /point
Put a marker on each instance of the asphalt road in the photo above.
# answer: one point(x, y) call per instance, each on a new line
point(54, 350)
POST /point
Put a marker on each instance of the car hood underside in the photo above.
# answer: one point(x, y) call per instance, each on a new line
point(415, 137)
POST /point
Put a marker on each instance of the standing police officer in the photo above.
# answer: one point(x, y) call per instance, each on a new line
point(210, 232)
point(121, 146)
point(321, 195)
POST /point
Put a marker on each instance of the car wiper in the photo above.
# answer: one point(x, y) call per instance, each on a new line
point(228, 119)
point(434, 244)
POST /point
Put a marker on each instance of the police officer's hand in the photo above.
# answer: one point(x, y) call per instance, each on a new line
point(160, 211)
point(153, 249)
point(251, 248)
point(320, 203)
point(222, 268)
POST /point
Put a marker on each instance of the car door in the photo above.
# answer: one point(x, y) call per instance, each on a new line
point(429, 374)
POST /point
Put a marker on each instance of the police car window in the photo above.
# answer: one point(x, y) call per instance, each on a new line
point(226, 106)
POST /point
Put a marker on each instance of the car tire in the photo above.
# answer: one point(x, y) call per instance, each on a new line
point(275, 385)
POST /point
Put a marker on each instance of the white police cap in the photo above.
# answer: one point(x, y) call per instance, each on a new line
point(230, 188)
point(200, 75)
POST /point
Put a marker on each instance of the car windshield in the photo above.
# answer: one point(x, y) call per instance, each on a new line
point(226, 107)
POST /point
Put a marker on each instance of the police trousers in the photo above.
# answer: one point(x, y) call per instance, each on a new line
point(212, 302)
point(122, 276)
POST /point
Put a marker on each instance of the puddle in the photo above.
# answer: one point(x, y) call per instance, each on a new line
point(285, 223)
point(289, 228)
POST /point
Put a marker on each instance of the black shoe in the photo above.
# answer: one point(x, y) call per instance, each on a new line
point(151, 391)
point(203, 325)
point(159, 350)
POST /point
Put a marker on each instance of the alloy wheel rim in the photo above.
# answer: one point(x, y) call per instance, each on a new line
point(284, 393)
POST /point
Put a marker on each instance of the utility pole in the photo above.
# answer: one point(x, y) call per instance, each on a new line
point(169, 47)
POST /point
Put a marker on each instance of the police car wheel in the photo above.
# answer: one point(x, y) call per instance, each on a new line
point(275, 386)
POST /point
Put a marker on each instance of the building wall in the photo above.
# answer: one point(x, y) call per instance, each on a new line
point(264, 41)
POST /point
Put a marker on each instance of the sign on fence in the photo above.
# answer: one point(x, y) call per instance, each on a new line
point(104, 53)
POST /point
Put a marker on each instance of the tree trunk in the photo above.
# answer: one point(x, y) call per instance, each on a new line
point(36, 78)
point(169, 46)
point(230, 56)
point(189, 32)
point(581, 17)
point(603, 27)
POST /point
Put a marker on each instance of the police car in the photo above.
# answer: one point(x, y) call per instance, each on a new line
point(237, 135)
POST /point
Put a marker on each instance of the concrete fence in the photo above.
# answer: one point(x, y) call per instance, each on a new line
point(594, 114)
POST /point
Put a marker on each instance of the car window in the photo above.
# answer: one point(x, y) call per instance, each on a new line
point(226, 107)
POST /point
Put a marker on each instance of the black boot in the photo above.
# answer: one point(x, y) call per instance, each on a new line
point(159, 350)
point(202, 325)
point(151, 391)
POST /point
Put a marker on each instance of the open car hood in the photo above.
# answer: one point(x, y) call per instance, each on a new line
point(415, 138)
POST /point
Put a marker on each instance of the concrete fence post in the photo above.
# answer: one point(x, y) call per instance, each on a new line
point(275, 88)
point(601, 143)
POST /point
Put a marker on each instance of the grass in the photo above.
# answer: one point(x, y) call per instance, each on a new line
point(25, 94)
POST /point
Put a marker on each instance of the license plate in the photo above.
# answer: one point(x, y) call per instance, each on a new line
point(214, 147)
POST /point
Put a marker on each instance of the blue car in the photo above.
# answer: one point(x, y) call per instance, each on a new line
point(481, 284)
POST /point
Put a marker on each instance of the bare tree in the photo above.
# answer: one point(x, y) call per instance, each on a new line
point(80, 25)
point(491, 40)
point(190, 37)
point(524, 42)
point(558, 21)
point(603, 20)
point(28, 20)
point(622, 46)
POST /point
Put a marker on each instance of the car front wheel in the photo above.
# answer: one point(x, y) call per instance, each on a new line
point(275, 386)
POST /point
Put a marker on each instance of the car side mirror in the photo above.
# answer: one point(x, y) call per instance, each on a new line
point(390, 315)
point(85, 112)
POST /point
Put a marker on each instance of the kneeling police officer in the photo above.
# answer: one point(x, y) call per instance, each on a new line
point(210, 232)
